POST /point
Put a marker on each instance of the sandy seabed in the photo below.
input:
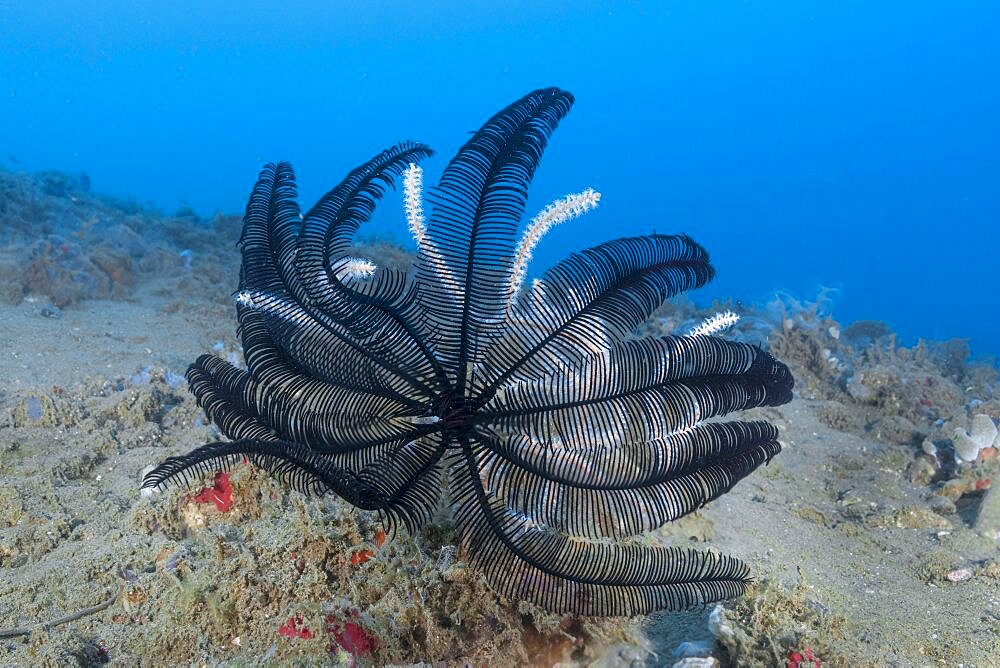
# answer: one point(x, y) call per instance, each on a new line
point(861, 532)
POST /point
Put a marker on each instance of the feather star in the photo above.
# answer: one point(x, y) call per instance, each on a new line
point(553, 435)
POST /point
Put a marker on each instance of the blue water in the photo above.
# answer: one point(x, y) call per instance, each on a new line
point(848, 144)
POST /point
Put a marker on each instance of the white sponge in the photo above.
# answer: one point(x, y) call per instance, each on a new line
point(983, 433)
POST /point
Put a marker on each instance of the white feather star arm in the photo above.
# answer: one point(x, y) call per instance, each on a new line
point(557, 212)
point(717, 324)
point(353, 268)
point(413, 202)
point(413, 205)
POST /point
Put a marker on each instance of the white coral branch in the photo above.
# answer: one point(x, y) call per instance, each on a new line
point(717, 324)
point(557, 212)
point(413, 204)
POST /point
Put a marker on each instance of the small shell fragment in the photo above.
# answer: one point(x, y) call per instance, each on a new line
point(960, 575)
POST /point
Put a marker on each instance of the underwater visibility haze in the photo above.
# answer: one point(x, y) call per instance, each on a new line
point(702, 373)
point(854, 142)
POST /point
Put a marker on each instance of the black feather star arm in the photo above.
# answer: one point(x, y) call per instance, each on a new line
point(478, 204)
point(555, 436)
point(302, 469)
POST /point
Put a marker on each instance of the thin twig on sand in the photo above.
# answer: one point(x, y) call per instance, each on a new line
point(26, 630)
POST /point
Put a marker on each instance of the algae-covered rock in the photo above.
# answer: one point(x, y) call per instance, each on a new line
point(897, 429)
point(770, 622)
point(42, 409)
point(914, 517)
point(988, 516)
point(840, 416)
point(935, 565)
point(922, 469)
point(332, 584)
